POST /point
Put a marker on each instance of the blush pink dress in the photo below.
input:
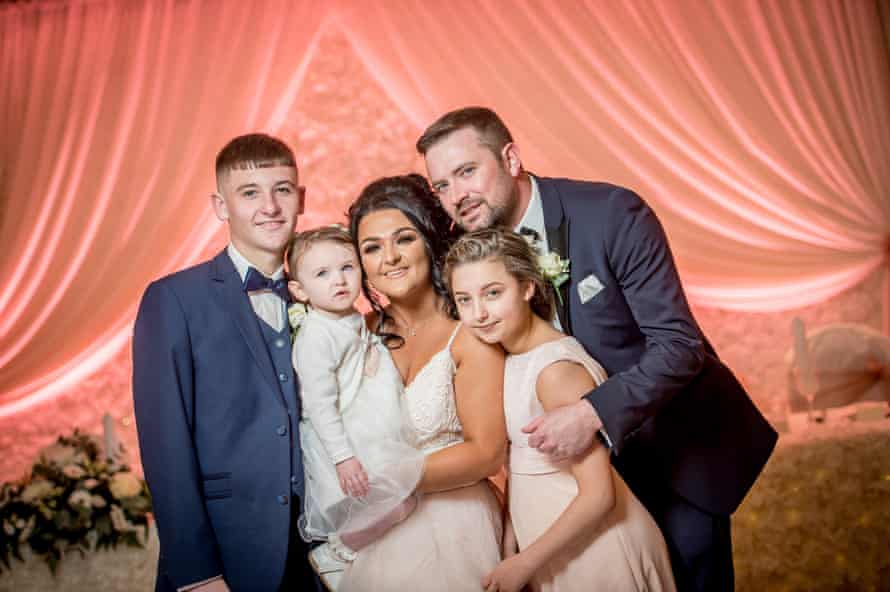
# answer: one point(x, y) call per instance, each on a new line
point(627, 551)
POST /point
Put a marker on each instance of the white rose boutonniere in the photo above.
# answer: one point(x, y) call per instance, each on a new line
point(296, 314)
point(555, 270)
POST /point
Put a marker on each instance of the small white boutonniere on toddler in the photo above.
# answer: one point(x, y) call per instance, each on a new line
point(296, 314)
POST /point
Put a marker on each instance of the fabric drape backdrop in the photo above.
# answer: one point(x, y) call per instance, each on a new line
point(112, 116)
point(758, 130)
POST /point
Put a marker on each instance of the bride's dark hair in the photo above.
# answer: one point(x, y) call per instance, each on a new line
point(411, 195)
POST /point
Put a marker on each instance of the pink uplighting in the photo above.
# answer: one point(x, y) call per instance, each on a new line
point(758, 131)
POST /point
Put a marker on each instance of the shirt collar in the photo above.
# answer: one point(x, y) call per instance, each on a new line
point(241, 263)
point(533, 217)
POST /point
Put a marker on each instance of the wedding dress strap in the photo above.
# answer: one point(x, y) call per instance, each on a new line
point(451, 339)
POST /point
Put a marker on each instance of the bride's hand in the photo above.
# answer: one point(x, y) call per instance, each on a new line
point(353, 479)
point(510, 575)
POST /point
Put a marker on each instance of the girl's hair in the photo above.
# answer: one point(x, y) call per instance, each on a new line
point(411, 195)
point(300, 243)
point(518, 257)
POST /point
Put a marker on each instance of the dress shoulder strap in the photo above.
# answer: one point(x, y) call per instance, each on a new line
point(453, 335)
point(570, 350)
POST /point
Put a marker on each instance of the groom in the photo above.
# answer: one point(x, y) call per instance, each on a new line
point(216, 396)
point(682, 431)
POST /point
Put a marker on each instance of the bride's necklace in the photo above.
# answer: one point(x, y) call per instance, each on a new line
point(411, 331)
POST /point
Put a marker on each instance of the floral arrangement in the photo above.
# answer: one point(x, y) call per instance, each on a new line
point(76, 498)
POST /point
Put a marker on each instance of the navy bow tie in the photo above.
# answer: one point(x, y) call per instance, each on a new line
point(255, 281)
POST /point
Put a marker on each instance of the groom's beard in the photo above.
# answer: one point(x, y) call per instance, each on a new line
point(489, 216)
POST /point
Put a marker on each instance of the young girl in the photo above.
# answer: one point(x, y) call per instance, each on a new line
point(576, 524)
point(359, 474)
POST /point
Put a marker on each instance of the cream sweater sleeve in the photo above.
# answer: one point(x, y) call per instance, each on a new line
point(316, 357)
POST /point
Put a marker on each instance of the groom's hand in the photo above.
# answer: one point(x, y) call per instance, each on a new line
point(564, 432)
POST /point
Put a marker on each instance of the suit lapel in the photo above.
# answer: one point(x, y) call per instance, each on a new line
point(556, 226)
point(237, 303)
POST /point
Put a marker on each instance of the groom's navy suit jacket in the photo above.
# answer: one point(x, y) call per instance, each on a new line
point(217, 431)
point(670, 407)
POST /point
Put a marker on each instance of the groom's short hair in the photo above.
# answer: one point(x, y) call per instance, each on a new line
point(491, 129)
point(253, 151)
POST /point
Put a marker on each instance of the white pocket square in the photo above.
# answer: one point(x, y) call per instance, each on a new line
point(589, 287)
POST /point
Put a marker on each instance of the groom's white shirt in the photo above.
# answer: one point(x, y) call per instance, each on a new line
point(533, 219)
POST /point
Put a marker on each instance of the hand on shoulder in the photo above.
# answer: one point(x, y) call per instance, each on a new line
point(569, 427)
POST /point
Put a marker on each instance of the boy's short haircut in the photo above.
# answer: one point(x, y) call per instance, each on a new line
point(253, 151)
point(301, 241)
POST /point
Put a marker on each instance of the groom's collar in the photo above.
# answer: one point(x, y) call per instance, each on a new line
point(551, 205)
point(533, 218)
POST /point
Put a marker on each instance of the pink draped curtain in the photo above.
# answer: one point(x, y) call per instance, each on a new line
point(758, 130)
point(112, 114)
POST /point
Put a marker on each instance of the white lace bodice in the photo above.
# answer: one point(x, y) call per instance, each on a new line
point(429, 411)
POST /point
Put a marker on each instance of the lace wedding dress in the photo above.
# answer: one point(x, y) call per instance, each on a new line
point(452, 538)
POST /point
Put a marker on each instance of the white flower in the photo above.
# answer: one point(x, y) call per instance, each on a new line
point(73, 471)
point(124, 484)
point(80, 499)
point(97, 501)
point(296, 313)
point(8, 528)
point(37, 491)
point(555, 270)
point(552, 265)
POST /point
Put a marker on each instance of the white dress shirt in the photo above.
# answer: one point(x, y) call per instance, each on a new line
point(533, 219)
point(266, 304)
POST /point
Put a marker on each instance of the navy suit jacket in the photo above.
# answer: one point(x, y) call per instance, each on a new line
point(670, 407)
point(218, 445)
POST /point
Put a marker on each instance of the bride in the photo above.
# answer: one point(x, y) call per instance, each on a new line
point(453, 403)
